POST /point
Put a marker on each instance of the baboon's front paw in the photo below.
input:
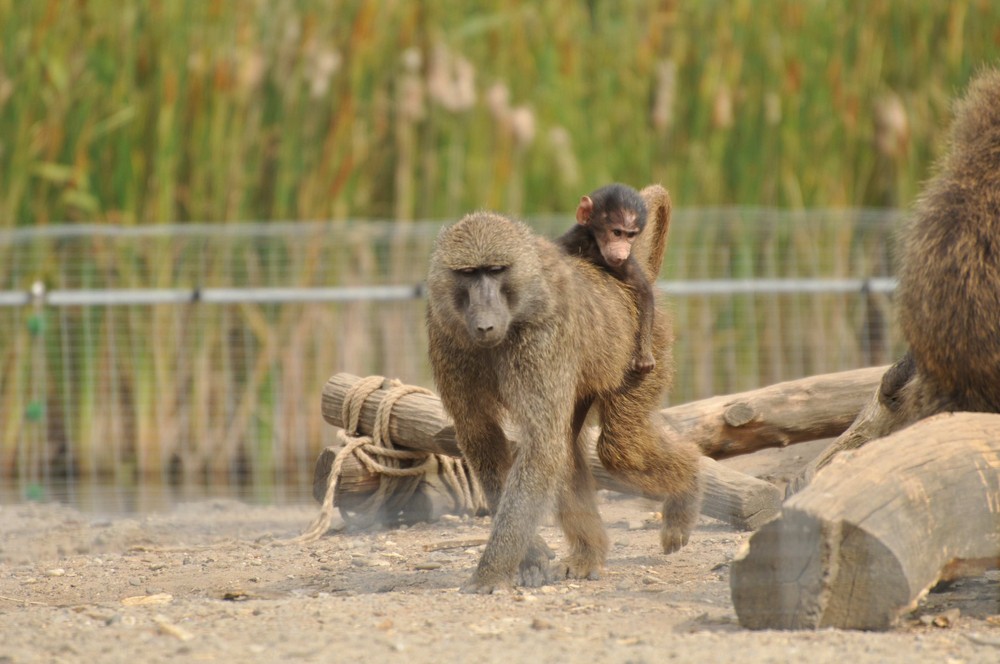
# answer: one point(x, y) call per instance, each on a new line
point(673, 538)
point(485, 584)
point(534, 576)
point(535, 569)
point(643, 363)
point(579, 567)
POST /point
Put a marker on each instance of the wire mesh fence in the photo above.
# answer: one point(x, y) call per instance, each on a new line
point(197, 352)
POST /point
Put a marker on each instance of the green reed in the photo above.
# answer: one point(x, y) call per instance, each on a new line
point(154, 112)
point(144, 112)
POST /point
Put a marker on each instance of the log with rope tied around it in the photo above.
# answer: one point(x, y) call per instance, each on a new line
point(415, 423)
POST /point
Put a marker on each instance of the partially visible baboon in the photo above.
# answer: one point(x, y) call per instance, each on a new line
point(608, 222)
point(948, 299)
point(949, 278)
point(520, 333)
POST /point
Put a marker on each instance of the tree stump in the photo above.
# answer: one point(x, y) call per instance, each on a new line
point(877, 529)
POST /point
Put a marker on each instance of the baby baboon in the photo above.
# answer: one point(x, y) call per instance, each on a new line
point(608, 221)
point(522, 334)
point(949, 277)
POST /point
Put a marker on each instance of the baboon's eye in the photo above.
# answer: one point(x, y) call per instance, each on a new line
point(496, 269)
point(466, 270)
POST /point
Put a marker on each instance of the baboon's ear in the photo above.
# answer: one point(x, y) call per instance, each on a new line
point(583, 210)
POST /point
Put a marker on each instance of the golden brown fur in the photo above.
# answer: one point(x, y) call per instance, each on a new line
point(949, 287)
point(522, 334)
point(949, 280)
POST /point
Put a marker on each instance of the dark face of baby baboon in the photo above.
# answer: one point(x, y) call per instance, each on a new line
point(612, 217)
point(609, 221)
point(522, 335)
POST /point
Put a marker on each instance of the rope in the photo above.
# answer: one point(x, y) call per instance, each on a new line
point(379, 456)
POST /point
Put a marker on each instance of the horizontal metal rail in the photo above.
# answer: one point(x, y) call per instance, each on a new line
point(150, 296)
point(698, 288)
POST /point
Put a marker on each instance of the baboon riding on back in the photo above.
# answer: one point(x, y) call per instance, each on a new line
point(521, 333)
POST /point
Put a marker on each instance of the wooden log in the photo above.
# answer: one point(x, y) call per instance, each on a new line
point(729, 495)
point(876, 529)
point(794, 411)
point(418, 421)
point(357, 484)
point(739, 499)
point(874, 421)
point(902, 397)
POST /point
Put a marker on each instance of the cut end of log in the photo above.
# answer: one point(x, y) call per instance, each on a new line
point(806, 573)
point(738, 499)
point(739, 414)
point(859, 546)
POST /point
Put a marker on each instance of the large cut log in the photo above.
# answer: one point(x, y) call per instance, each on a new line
point(876, 529)
point(729, 495)
point(418, 421)
point(876, 419)
point(794, 411)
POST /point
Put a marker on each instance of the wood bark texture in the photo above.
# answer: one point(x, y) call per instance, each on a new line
point(877, 529)
point(419, 422)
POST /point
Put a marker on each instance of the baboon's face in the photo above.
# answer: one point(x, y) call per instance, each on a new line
point(485, 275)
point(481, 295)
point(615, 233)
point(615, 224)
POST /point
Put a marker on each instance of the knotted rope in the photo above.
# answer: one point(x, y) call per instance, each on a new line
point(379, 455)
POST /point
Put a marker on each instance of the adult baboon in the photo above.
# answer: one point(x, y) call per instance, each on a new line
point(522, 334)
point(949, 276)
point(948, 297)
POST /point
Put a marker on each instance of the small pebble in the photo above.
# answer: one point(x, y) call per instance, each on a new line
point(427, 566)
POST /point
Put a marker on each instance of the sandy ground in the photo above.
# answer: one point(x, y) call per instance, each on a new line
point(213, 581)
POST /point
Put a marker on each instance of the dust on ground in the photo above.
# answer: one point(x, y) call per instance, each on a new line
point(214, 581)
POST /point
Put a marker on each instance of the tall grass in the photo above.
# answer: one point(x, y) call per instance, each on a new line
point(146, 113)
point(143, 112)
